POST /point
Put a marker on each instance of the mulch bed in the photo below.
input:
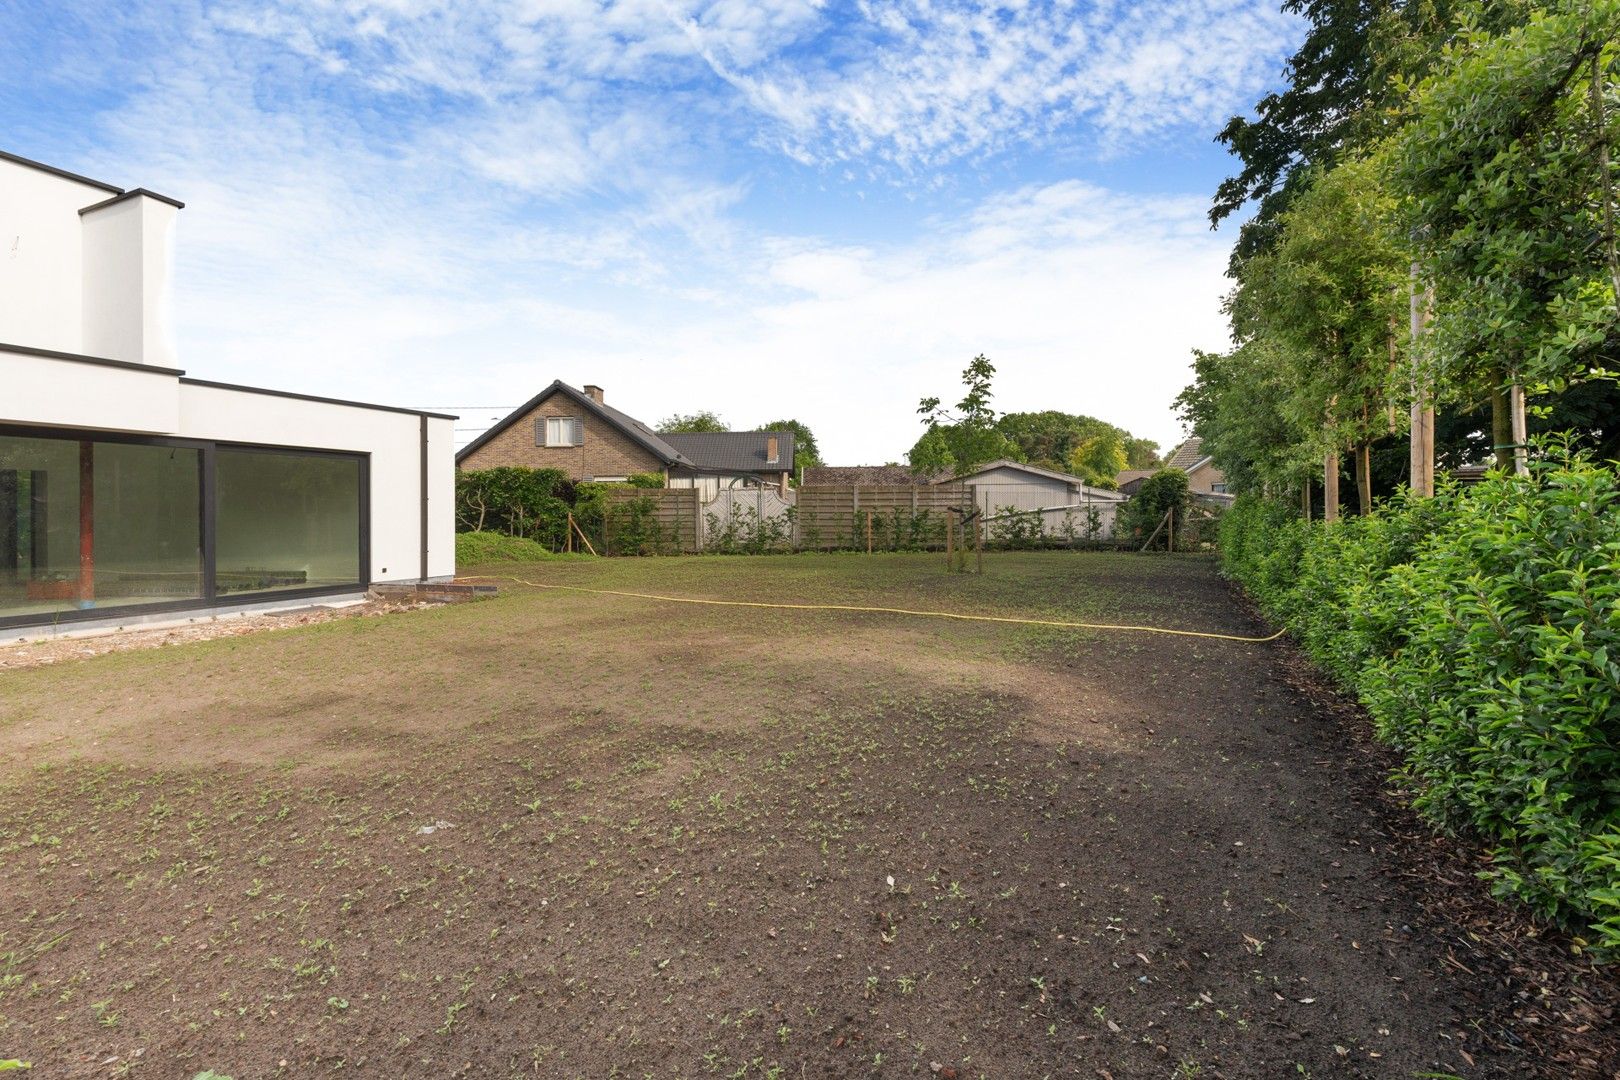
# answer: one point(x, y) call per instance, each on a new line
point(1545, 1002)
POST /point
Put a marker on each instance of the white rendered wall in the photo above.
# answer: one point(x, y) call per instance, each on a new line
point(392, 439)
point(41, 257)
point(441, 498)
point(64, 393)
point(128, 256)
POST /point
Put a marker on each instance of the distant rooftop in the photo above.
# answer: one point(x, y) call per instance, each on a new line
point(1188, 454)
point(733, 451)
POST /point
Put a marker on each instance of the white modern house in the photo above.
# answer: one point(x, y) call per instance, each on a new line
point(128, 490)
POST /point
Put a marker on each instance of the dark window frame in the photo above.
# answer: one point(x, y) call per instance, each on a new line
point(207, 496)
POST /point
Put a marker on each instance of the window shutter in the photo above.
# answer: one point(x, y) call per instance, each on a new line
point(540, 432)
point(579, 432)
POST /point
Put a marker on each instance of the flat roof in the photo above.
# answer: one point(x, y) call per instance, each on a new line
point(30, 163)
point(314, 397)
point(130, 194)
point(80, 358)
point(117, 192)
point(128, 365)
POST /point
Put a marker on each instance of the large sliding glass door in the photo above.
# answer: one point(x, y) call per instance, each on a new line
point(287, 520)
point(90, 523)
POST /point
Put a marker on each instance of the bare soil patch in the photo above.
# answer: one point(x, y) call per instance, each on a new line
point(552, 835)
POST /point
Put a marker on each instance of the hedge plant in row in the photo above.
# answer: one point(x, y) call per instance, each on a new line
point(1481, 629)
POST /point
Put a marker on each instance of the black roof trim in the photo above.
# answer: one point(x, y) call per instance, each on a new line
point(17, 159)
point(80, 358)
point(622, 422)
point(130, 194)
point(312, 397)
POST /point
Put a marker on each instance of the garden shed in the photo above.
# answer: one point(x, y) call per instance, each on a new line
point(1063, 501)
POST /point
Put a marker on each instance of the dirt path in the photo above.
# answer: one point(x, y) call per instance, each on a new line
point(543, 836)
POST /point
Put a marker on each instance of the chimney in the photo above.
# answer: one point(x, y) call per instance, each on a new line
point(773, 453)
point(128, 261)
point(594, 393)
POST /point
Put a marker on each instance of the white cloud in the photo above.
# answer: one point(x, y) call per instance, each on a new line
point(435, 202)
point(923, 82)
point(1077, 294)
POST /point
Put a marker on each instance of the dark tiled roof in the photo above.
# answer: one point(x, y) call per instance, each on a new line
point(643, 434)
point(732, 451)
point(869, 475)
point(632, 428)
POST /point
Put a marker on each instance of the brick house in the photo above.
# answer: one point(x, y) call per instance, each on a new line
point(577, 432)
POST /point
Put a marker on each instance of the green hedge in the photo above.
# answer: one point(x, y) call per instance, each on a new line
point(1481, 629)
point(534, 504)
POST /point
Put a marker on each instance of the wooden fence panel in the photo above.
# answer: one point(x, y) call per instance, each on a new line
point(835, 516)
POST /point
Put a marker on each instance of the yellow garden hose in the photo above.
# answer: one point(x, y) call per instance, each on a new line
point(890, 611)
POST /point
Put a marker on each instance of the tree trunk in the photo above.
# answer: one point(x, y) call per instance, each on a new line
point(1602, 124)
point(1305, 498)
point(1330, 487)
point(1364, 495)
point(1421, 477)
point(1502, 427)
point(1521, 434)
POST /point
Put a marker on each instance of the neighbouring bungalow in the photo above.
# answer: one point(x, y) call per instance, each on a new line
point(129, 491)
point(577, 432)
point(1203, 478)
point(1007, 484)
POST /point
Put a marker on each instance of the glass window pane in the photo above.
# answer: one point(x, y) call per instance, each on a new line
point(88, 525)
point(147, 522)
point(286, 521)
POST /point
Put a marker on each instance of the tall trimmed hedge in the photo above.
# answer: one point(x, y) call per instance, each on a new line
point(534, 504)
point(1481, 629)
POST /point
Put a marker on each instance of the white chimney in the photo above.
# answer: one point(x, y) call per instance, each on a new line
point(128, 266)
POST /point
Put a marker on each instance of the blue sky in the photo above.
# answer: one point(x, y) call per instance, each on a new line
point(768, 208)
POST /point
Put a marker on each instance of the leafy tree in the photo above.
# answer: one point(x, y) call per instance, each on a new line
point(1508, 166)
point(805, 452)
point(1099, 459)
point(1141, 453)
point(1236, 405)
point(962, 440)
point(1159, 493)
point(702, 421)
point(1330, 296)
point(1049, 438)
point(1346, 85)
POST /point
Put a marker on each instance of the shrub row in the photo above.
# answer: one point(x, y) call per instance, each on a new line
point(534, 504)
point(1481, 629)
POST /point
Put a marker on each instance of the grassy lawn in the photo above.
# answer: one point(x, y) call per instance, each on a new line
point(555, 834)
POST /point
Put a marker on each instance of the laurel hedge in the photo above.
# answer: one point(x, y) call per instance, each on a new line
point(1481, 630)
